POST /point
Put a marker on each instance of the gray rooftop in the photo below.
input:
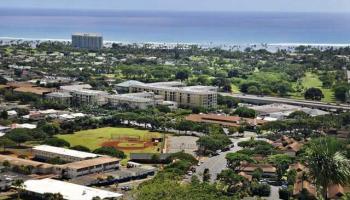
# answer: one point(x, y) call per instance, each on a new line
point(127, 84)
point(88, 34)
point(134, 97)
point(59, 94)
point(177, 87)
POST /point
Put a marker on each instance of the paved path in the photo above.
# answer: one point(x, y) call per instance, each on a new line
point(274, 193)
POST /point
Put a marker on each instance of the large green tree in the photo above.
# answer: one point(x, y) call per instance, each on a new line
point(231, 180)
point(314, 94)
point(245, 112)
point(341, 92)
point(6, 142)
point(19, 135)
point(212, 143)
point(281, 162)
point(234, 160)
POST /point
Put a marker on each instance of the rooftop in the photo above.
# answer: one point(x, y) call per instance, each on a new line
point(59, 94)
point(90, 92)
point(63, 151)
point(87, 34)
point(75, 87)
point(148, 156)
point(135, 97)
point(266, 168)
point(91, 162)
point(176, 87)
point(25, 125)
point(28, 88)
point(69, 191)
point(222, 119)
point(127, 84)
point(275, 107)
point(19, 162)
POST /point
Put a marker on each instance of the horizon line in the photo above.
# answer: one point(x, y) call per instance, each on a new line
point(168, 10)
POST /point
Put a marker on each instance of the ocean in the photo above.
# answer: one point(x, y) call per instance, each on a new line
point(179, 27)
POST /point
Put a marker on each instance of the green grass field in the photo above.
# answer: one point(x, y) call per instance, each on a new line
point(312, 80)
point(95, 137)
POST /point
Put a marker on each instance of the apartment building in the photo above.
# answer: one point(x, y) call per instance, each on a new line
point(59, 97)
point(87, 40)
point(89, 97)
point(135, 100)
point(83, 95)
point(192, 96)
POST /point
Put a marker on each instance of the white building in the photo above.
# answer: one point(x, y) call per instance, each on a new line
point(134, 100)
point(192, 96)
point(47, 152)
point(69, 191)
point(275, 111)
point(12, 114)
point(25, 125)
point(71, 88)
point(89, 97)
point(59, 97)
point(83, 95)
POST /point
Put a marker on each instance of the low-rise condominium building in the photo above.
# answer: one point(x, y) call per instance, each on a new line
point(191, 96)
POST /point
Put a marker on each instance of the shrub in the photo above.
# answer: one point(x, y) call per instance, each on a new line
point(110, 151)
point(285, 193)
point(262, 190)
point(57, 142)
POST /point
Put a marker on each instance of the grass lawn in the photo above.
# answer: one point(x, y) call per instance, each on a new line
point(312, 80)
point(8, 196)
point(95, 137)
point(235, 88)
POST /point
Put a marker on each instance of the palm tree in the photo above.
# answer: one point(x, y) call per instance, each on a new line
point(327, 163)
point(303, 178)
point(19, 185)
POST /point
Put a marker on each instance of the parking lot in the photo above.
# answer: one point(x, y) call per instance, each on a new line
point(179, 143)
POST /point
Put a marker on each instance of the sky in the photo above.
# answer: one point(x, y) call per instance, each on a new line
point(187, 5)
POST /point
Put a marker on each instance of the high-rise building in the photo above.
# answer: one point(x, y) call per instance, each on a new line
point(87, 40)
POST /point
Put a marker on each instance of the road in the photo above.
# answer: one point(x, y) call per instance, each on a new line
point(216, 164)
point(305, 103)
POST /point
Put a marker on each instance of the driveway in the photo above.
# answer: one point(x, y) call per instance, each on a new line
point(274, 193)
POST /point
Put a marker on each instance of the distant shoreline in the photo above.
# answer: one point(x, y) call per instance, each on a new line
point(269, 46)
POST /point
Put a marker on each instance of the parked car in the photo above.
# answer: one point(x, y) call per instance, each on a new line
point(226, 149)
point(126, 188)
